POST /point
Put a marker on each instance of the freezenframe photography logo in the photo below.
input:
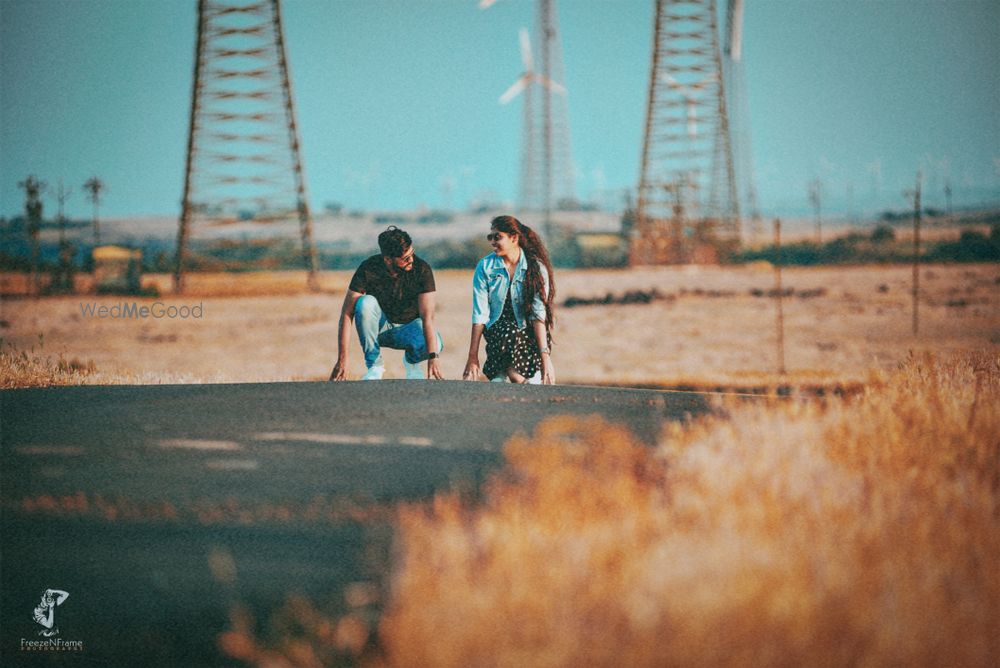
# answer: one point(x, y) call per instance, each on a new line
point(45, 616)
point(135, 310)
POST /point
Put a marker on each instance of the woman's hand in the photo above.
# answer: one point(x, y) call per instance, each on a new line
point(548, 370)
point(472, 371)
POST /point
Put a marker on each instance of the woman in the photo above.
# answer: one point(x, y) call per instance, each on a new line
point(513, 293)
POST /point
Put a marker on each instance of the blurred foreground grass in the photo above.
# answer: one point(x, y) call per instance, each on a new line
point(859, 531)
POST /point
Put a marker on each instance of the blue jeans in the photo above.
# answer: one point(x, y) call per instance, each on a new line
point(375, 332)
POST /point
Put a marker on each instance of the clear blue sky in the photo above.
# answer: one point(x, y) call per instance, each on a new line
point(394, 98)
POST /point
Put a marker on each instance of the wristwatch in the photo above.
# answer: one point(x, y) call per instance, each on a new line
point(432, 356)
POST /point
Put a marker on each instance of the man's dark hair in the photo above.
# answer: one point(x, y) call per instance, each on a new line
point(394, 242)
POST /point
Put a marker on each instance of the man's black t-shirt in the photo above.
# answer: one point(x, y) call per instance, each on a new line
point(397, 295)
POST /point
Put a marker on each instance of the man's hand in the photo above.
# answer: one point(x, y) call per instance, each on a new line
point(434, 370)
point(339, 370)
point(472, 371)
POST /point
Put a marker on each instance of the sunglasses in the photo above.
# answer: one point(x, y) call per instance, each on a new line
point(495, 236)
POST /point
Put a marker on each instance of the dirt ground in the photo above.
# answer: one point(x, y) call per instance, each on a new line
point(708, 325)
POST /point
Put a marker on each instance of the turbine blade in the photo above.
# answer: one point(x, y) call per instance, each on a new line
point(514, 90)
point(736, 31)
point(550, 84)
point(526, 57)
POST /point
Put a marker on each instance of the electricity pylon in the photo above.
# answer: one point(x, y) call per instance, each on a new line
point(244, 166)
point(688, 207)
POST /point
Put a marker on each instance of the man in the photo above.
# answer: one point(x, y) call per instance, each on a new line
point(391, 301)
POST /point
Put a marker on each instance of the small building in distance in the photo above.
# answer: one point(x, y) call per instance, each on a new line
point(602, 249)
point(117, 269)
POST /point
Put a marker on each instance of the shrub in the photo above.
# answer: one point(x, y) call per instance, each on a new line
point(861, 531)
point(32, 368)
point(882, 234)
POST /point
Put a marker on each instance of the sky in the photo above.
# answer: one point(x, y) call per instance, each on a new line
point(397, 100)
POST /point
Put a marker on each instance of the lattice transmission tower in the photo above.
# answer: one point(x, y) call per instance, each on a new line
point(547, 178)
point(688, 207)
point(243, 182)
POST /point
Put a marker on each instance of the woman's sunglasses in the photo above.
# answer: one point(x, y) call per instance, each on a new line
point(494, 236)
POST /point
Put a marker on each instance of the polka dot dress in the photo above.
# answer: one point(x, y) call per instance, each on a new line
point(510, 347)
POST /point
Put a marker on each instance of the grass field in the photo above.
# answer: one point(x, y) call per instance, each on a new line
point(713, 326)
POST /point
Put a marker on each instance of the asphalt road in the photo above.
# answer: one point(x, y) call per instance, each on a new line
point(158, 507)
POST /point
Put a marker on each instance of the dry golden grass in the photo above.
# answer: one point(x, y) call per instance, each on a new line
point(32, 368)
point(865, 531)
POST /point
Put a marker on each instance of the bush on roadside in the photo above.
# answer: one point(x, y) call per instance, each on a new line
point(861, 531)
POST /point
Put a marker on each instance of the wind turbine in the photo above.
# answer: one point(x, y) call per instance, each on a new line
point(530, 197)
point(545, 139)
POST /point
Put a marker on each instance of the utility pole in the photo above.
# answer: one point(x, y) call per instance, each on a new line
point(947, 196)
point(915, 194)
point(62, 195)
point(94, 186)
point(851, 215)
point(63, 280)
point(33, 215)
point(816, 199)
point(778, 296)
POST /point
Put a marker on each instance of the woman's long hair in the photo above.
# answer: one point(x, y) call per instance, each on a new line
point(536, 254)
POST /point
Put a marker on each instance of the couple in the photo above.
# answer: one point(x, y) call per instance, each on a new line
point(391, 301)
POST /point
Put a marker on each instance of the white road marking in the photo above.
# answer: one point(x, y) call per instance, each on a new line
point(233, 464)
point(342, 439)
point(335, 439)
point(197, 444)
point(418, 441)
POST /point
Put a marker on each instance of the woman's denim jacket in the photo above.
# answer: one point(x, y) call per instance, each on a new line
point(489, 291)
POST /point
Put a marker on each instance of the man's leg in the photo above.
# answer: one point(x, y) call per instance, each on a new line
point(370, 322)
point(410, 339)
